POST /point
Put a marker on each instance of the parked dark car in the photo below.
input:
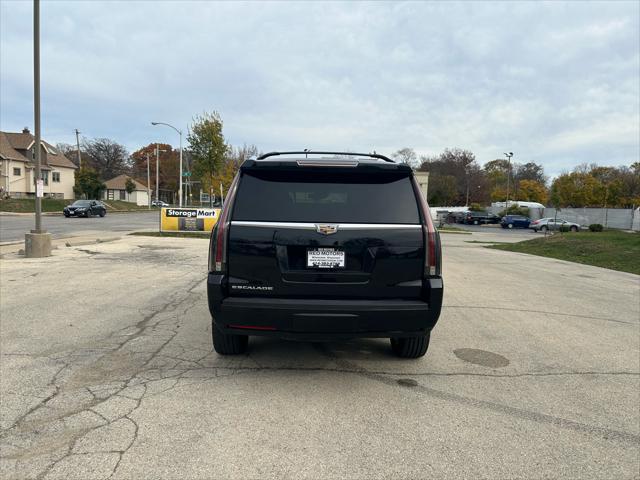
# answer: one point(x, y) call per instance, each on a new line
point(480, 218)
point(515, 221)
point(85, 208)
point(313, 249)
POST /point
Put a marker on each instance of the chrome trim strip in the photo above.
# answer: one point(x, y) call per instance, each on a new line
point(341, 226)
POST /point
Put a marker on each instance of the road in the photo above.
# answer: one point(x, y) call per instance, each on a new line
point(107, 371)
point(13, 227)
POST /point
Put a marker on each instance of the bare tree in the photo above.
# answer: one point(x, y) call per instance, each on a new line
point(71, 152)
point(240, 154)
point(109, 158)
point(406, 156)
point(455, 178)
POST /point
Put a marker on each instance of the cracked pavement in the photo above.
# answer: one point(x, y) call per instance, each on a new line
point(107, 371)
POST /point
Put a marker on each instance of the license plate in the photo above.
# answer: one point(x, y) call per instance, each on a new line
point(325, 258)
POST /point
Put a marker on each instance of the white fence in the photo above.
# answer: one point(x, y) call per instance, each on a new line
point(622, 218)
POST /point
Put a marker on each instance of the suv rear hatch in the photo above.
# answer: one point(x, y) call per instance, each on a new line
point(322, 231)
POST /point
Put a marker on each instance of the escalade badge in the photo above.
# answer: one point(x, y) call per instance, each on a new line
point(326, 229)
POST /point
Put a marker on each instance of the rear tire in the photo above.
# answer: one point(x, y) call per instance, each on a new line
point(410, 347)
point(228, 343)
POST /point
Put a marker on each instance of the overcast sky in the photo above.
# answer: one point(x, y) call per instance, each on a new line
point(556, 83)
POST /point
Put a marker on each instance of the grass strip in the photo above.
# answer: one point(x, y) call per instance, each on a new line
point(612, 249)
point(28, 205)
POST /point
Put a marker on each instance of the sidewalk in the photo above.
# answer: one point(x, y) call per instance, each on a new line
point(17, 247)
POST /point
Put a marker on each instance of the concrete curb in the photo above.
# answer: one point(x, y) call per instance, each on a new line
point(57, 243)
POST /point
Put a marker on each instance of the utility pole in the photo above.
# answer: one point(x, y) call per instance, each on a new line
point(467, 172)
point(508, 155)
point(38, 242)
point(148, 184)
point(78, 145)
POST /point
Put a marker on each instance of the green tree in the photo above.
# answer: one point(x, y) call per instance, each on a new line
point(442, 189)
point(577, 189)
point(88, 184)
point(129, 186)
point(207, 147)
point(532, 191)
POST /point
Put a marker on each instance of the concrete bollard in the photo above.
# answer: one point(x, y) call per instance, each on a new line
point(37, 245)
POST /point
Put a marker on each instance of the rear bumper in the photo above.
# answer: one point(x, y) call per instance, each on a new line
point(324, 318)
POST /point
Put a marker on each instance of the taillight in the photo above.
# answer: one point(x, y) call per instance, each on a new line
point(431, 237)
point(219, 236)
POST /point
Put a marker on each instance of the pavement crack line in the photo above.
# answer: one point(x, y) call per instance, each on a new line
point(524, 310)
point(413, 374)
point(606, 433)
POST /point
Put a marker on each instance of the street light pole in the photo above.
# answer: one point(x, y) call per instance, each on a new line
point(36, 108)
point(37, 243)
point(508, 155)
point(179, 133)
point(180, 187)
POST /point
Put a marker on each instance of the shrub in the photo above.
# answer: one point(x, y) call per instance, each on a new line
point(596, 227)
point(515, 210)
point(476, 207)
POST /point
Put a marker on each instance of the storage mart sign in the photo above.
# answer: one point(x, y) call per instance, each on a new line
point(188, 219)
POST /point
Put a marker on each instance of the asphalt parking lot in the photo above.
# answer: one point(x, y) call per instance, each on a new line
point(107, 371)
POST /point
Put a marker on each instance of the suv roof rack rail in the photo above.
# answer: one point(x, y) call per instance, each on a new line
point(309, 152)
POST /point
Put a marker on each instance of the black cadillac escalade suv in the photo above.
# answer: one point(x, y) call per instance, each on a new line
point(326, 248)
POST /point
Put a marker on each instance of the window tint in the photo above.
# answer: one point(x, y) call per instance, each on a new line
point(326, 197)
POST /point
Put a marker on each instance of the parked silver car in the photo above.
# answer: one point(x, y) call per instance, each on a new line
point(545, 224)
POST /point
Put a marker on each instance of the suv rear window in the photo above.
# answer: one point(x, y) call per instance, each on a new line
point(353, 197)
